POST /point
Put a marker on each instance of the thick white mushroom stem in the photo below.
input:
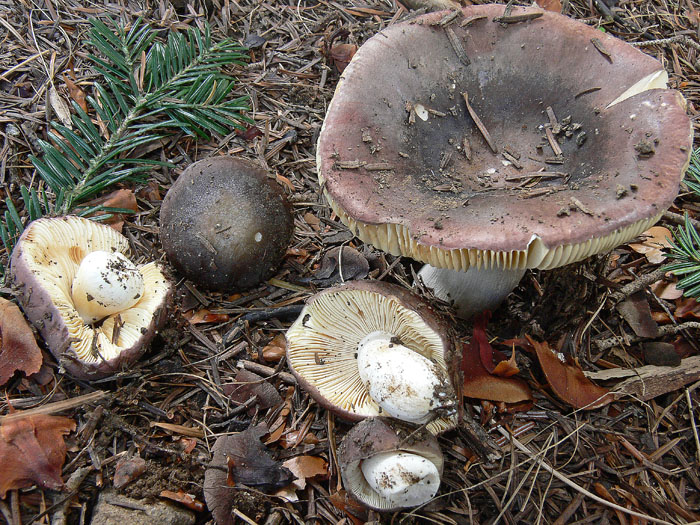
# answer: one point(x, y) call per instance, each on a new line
point(405, 384)
point(403, 478)
point(105, 284)
point(472, 291)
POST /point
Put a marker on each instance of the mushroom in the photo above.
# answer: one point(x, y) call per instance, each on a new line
point(371, 348)
point(485, 152)
point(70, 273)
point(390, 466)
point(225, 224)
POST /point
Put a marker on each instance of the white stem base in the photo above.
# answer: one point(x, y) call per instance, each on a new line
point(472, 291)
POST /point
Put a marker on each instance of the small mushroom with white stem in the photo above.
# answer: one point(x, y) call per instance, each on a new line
point(370, 348)
point(484, 152)
point(95, 309)
point(388, 466)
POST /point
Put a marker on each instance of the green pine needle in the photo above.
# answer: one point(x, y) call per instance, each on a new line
point(685, 246)
point(182, 88)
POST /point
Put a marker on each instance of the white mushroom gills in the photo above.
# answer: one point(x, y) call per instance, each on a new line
point(404, 383)
point(403, 478)
point(105, 284)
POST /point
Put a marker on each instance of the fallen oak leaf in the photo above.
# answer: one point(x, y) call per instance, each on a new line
point(567, 379)
point(32, 451)
point(18, 348)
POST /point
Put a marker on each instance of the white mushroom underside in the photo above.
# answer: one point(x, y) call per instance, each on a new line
point(397, 239)
point(404, 479)
point(56, 271)
point(323, 342)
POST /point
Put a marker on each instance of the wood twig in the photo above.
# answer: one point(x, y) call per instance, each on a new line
point(480, 125)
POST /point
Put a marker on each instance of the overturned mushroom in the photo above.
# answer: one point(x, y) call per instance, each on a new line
point(484, 152)
point(95, 310)
point(370, 348)
point(224, 224)
point(390, 466)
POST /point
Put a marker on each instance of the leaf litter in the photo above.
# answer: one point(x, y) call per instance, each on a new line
point(171, 408)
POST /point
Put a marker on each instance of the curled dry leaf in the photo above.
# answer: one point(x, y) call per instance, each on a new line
point(32, 451)
point(340, 264)
point(637, 312)
point(182, 497)
point(655, 239)
point(567, 379)
point(341, 55)
point(494, 361)
point(306, 467)
point(18, 348)
point(275, 350)
point(127, 470)
point(76, 93)
point(240, 459)
point(59, 107)
point(203, 316)
point(247, 385)
point(549, 5)
point(480, 384)
point(666, 290)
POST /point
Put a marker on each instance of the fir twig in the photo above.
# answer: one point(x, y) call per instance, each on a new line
point(685, 246)
point(150, 89)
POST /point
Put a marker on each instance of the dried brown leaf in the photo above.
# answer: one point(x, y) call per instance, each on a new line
point(240, 459)
point(182, 497)
point(247, 385)
point(567, 379)
point(341, 55)
point(59, 107)
point(127, 470)
point(18, 348)
point(636, 311)
point(76, 93)
point(480, 384)
point(32, 451)
point(306, 467)
point(655, 240)
point(549, 5)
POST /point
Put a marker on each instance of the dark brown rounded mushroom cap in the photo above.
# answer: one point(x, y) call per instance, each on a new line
point(392, 155)
point(376, 435)
point(322, 343)
point(225, 224)
point(42, 267)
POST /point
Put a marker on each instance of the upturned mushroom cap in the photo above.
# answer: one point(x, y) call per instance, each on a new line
point(43, 265)
point(224, 224)
point(392, 155)
point(378, 436)
point(322, 345)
